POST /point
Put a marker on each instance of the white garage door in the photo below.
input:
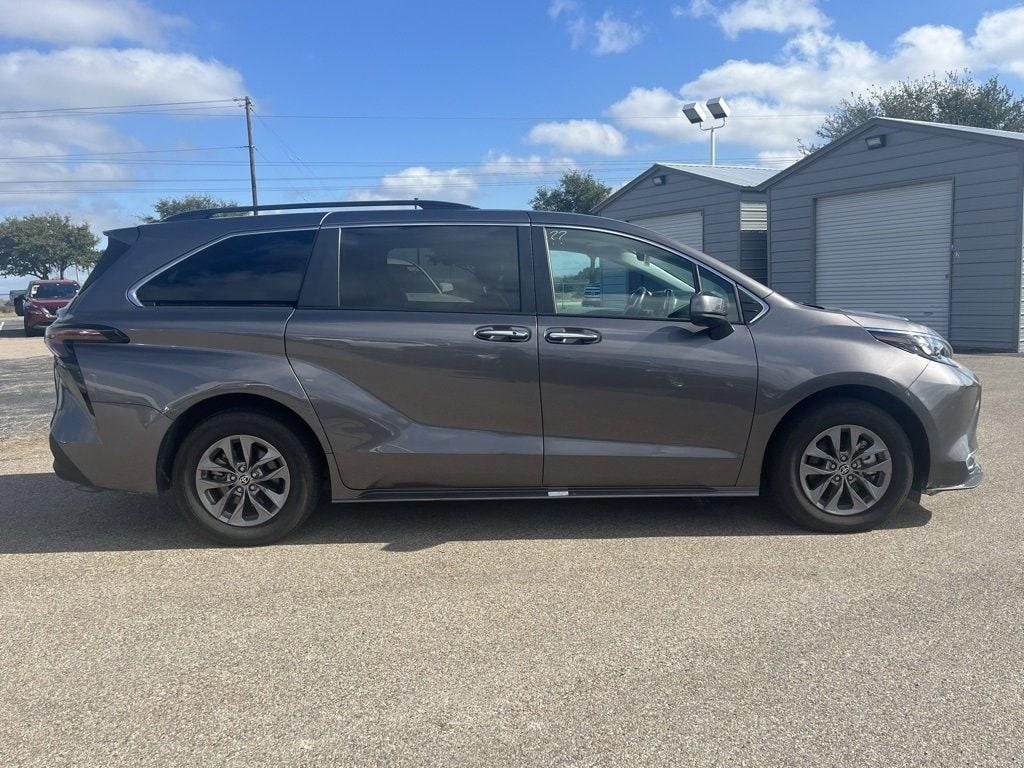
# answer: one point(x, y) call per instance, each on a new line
point(685, 228)
point(887, 251)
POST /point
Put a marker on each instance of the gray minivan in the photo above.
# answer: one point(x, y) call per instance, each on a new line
point(429, 350)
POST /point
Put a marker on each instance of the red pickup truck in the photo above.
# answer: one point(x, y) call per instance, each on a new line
point(42, 300)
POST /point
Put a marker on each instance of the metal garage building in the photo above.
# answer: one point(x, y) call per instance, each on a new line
point(917, 219)
point(715, 209)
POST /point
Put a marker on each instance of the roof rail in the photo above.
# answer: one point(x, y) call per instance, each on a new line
point(209, 213)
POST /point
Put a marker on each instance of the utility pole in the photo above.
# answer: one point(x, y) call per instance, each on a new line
point(252, 154)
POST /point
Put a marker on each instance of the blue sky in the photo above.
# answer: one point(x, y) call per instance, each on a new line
point(475, 101)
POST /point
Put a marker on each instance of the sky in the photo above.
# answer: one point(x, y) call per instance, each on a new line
point(476, 102)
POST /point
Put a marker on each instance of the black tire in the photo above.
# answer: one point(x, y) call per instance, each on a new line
point(784, 476)
point(29, 331)
point(299, 455)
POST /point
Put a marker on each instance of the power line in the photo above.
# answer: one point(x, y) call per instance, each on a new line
point(124, 152)
point(118, 106)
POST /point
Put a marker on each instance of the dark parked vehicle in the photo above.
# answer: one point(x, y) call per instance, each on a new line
point(249, 364)
point(42, 300)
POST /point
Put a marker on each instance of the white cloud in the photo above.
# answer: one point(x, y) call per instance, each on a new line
point(558, 7)
point(84, 76)
point(999, 41)
point(608, 34)
point(776, 102)
point(464, 183)
point(579, 136)
point(615, 35)
point(457, 184)
point(85, 22)
point(697, 9)
point(79, 76)
point(769, 16)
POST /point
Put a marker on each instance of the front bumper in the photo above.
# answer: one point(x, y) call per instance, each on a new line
point(949, 397)
point(974, 477)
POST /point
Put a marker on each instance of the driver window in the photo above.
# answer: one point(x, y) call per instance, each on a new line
point(595, 273)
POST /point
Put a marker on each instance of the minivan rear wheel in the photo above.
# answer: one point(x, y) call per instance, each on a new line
point(245, 478)
point(844, 466)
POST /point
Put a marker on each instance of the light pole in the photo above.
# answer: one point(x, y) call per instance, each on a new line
point(713, 111)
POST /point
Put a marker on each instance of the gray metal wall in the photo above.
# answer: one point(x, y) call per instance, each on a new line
point(682, 192)
point(985, 301)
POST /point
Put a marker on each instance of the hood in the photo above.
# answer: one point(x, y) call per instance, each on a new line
point(889, 322)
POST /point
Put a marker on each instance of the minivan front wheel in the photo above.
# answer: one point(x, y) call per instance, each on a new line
point(245, 478)
point(844, 466)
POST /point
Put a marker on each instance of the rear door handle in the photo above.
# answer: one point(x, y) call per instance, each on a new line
point(572, 336)
point(502, 333)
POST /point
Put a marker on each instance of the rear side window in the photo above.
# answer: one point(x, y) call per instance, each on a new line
point(437, 268)
point(261, 268)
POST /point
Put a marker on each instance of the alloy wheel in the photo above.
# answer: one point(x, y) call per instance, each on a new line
point(845, 470)
point(242, 480)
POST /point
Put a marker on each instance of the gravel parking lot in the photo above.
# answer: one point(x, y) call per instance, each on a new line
point(512, 633)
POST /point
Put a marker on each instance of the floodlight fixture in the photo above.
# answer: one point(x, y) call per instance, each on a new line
point(718, 108)
point(695, 112)
point(713, 111)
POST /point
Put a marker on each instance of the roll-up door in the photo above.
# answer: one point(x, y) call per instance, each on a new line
point(685, 228)
point(887, 250)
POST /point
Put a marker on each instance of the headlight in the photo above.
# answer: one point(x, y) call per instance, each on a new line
point(929, 345)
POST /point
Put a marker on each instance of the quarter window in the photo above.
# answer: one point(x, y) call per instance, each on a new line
point(596, 273)
point(261, 268)
point(436, 268)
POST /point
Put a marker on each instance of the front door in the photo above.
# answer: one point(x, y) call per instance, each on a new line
point(424, 372)
point(633, 394)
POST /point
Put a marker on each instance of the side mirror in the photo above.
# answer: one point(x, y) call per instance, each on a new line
point(446, 287)
point(711, 312)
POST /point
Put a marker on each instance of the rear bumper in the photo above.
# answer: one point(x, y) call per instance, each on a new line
point(104, 445)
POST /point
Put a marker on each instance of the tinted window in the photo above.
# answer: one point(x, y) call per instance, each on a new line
point(53, 291)
point(264, 268)
point(719, 286)
point(442, 269)
point(595, 273)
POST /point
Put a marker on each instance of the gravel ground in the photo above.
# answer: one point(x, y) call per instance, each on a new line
point(513, 633)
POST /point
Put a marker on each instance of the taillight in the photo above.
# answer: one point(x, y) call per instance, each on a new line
point(61, 338)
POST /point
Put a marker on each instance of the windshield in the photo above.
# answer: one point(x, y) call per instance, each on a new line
point(54, 291)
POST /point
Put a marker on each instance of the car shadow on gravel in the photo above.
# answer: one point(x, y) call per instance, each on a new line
point(40, 513)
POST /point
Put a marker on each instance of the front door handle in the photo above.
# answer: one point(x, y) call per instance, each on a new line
point(502, 333)
point(572, 336)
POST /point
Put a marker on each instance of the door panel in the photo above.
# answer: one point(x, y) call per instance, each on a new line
point(417, 400)
point(652, 404)
point(632, 393)
point(424, 371)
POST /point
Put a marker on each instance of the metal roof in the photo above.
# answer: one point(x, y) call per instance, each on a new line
point(993, 132)
point(737, 175)
point(740, 176)
point(984, 134)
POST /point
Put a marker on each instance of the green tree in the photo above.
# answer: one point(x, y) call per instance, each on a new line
point(168, 206)
point(956, 99)
point(577, 192)
point(45, 245)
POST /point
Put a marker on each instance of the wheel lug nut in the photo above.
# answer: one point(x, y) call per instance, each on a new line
point(231, 478)
point(241, 467)
point(835, 479)
point(831, 465)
